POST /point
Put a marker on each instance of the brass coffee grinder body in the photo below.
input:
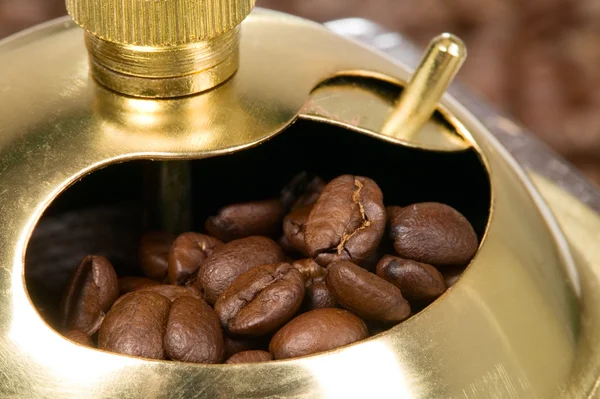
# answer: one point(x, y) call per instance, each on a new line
point(212, 90)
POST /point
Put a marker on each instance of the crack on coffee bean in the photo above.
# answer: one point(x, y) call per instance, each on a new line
point(245, 298)
point(365, 221)
point(272, 294)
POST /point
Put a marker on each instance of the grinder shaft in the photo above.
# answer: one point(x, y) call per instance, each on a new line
point(439, 65)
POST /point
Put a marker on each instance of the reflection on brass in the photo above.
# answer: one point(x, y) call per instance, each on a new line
point(420, 98)
point(582, 228)
point(364, 101)
point(518, 324)
point(164, 72)
point(161, 49)
point(158, 23)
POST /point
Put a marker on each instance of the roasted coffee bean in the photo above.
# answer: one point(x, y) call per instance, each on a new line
point(136, 325)
point(347, 222)
point(317, 295)
point(261, 300)
point(195, 289)
point(293, 189)
point(250, 357)
point(452, 274)
point(365, 294)
point(193, 332)
point(187, 254)
point(257, 218)
point(134, 283)
point(293, 229)
point(308, 268)
point(419, 282)
point(304, 189)
point(310, 197)
point(91, 292)
point(79, 337)
point(172, 292)
point(317, 331)
point(235, 345)
point(342, 230)
point(311, 193)
point(386, 246)
point(230, 260)
point(154, 255)
point(288, 249)
point(391, 212)
point(433, 233)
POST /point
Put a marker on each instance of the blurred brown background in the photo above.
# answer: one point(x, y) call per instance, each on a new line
point(539, 60)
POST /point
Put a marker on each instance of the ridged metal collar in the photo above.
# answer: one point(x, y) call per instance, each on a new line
point(158, 22)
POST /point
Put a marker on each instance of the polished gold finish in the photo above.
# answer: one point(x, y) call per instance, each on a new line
point(163, 62)
point(161, 49)
point(358, 100)
point(158, 23)
point(419, 100)
point(170, 71)
point(582, 228)
point(518, 324)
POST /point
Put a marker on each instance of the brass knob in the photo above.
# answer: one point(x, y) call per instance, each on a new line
point(419, 100)
point(161, 48)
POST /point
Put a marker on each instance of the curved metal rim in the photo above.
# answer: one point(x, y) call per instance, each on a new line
point(464, 115)
point(448, 104)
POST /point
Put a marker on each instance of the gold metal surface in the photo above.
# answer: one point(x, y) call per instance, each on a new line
point(170, 71)
point(160, 23)
point(582, 228)
point(357, 98)
point(512, 327)
point(444, 57)
point(161, 49)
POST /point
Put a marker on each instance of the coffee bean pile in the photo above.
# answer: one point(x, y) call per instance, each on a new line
point(320, 267)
